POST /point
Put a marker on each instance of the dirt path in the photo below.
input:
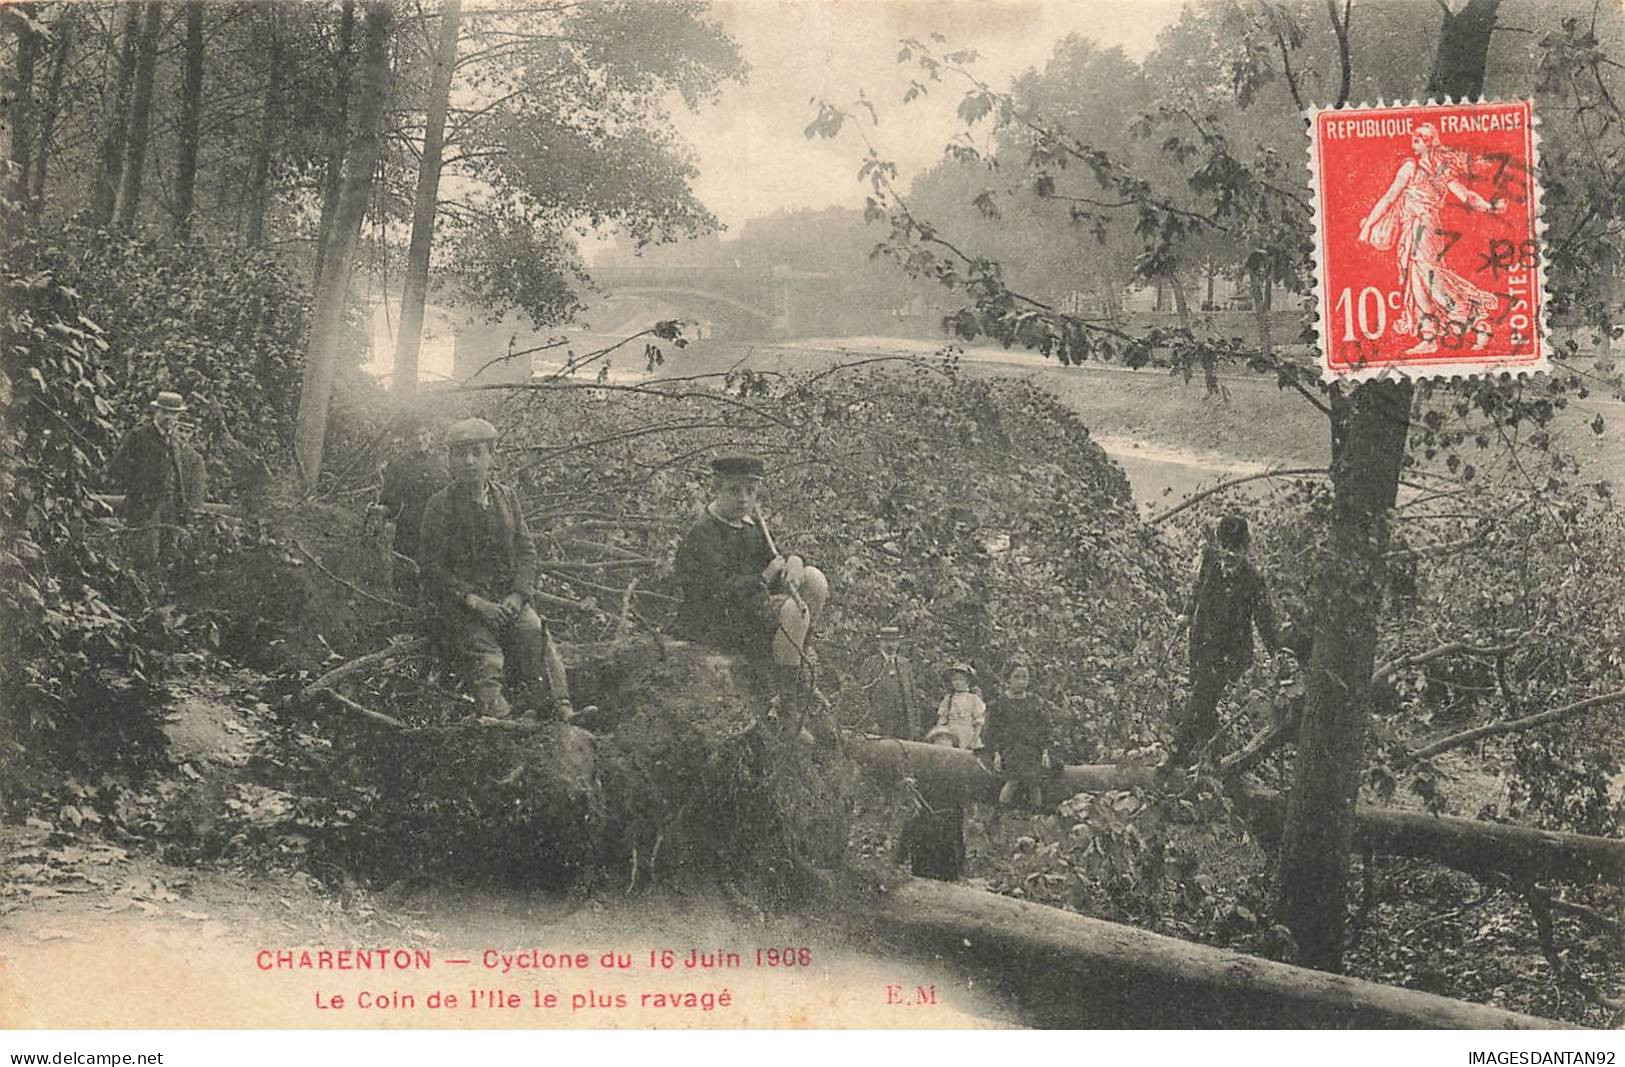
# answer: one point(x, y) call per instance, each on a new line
point(97, 937)
point(98, 934)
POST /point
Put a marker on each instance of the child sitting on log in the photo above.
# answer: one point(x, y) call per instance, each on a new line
point(933, 839)
point(478, 562)
point(740, 594)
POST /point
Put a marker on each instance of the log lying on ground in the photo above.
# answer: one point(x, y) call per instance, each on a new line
point(1468, 845)
point(209, 507)
point(892, 759)
point(1068, 970)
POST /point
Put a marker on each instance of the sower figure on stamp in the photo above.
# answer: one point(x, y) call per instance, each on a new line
point(410, 480)
point(148, 467)
point(1433, 298)
point(892, 688)
point(478, 565)
point(1228, 602)
point(739, 593)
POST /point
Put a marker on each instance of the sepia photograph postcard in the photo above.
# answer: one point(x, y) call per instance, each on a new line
point(835, 515)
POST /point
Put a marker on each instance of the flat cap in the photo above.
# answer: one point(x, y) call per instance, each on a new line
point(738, 464)
point(470, 431)
point(963, 668)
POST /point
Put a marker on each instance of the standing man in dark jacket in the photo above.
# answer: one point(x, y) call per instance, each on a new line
point(147, 466)
point(892, 688)
point(478, 566)
point(739, 593)
point(410, 480)
point(1228, 602)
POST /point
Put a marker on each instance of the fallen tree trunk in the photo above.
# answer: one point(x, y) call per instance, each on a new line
point(1468, 845)
point(208, 507)
point(1066, 970)
point(952, 767)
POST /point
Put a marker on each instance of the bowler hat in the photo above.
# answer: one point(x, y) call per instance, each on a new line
point(167, 401)
point(738, 464)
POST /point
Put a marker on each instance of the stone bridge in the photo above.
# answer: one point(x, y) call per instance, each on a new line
point(772, 302)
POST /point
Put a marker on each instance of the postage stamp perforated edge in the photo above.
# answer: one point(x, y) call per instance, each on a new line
point(1486, 366)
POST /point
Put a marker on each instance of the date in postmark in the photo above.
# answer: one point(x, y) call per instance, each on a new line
point(1427, 240)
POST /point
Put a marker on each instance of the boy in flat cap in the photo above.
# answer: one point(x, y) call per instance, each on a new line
point(478, 565)
point(739, 593)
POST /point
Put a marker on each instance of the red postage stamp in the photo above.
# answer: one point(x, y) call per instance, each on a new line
point(1427, 240)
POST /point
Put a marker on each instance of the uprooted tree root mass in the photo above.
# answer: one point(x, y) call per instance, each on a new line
point(697, 771)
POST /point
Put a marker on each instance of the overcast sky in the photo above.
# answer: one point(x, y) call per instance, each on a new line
point(753, 157)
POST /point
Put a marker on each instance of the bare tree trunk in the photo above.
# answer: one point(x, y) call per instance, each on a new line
point(270, 119)
point(1258, 289)
point(423, 210)
point(20, 113)
point(1182, 300)
point(1369, 431)
point(135, 148)
point(321, 353)
point(115, 124)
point(1212, 277)
point(1110, 297)
point(337, 136)
point(67, 27)
point(191, 108)
point(1368, 446)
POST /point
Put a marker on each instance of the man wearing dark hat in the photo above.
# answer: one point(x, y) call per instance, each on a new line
point(1229, 601)
point(478, 564)
point(148, 467)
point(739, 593)
point(410, 479)
point(892, 693)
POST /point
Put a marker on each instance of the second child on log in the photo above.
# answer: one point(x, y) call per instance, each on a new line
point(478, 564)
point(740, 594)
point(933, 839)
